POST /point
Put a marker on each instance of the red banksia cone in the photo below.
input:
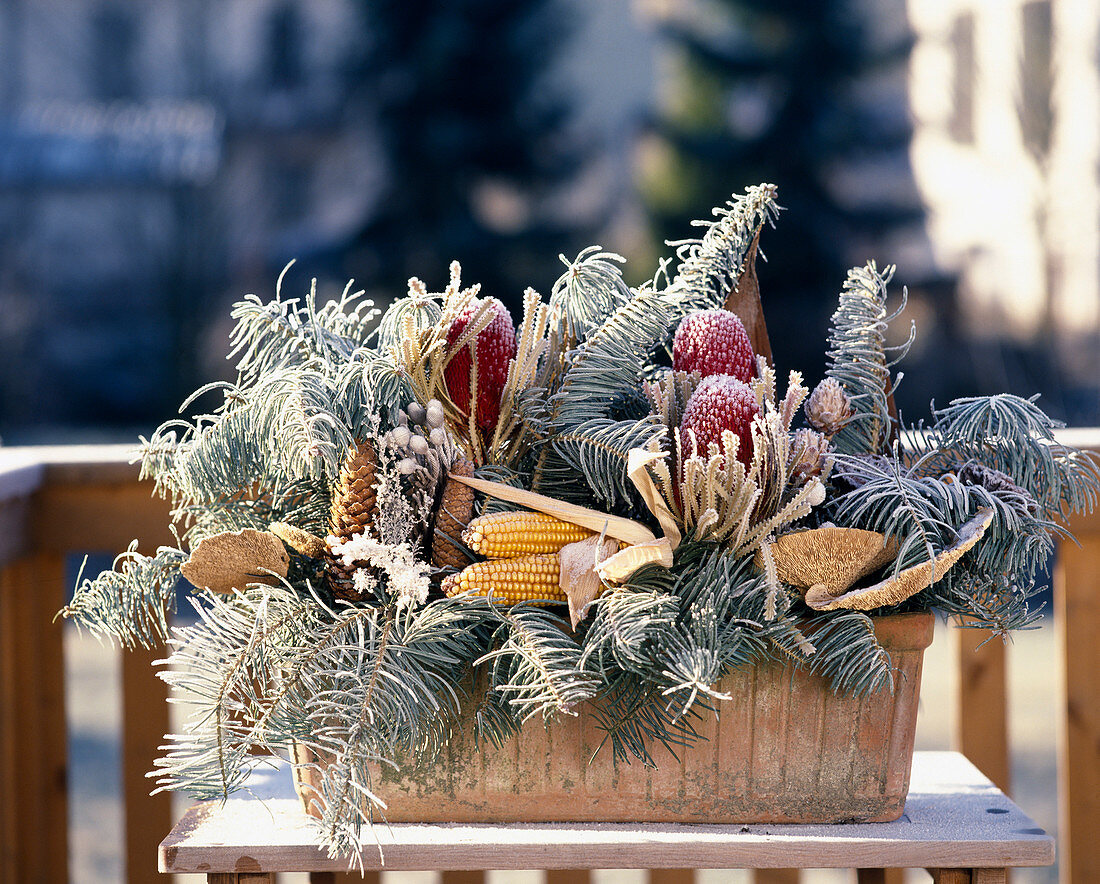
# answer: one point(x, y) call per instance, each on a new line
point(493, 348)
point(714, 342)
point(720, 402)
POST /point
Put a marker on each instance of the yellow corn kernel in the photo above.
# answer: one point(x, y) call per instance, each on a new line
point(523, 579)
point(520, 533)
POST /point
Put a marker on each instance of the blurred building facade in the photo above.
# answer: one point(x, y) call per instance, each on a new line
point(158, 160)
point(152, 154)
point(1006, 149)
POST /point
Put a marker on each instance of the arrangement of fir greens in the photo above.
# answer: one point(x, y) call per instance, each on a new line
point(393, 519)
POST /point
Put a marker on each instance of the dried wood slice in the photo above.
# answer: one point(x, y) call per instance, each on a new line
point(233, 561)
point(578, 577)
point(909, 582)
point(829, 559)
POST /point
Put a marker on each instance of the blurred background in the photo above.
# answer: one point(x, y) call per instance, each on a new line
point(159, 160)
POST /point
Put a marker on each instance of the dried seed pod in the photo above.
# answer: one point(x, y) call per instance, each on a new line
point(809, 449)
point(400, 436)
point(434, 413)
point(416, 412)
point(354, 507)
point(300, 541)
point(235, 560)
point(418, 444)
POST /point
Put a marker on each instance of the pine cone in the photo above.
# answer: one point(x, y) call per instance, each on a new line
point(828, 408)
point(455, 510)
point(354, 506)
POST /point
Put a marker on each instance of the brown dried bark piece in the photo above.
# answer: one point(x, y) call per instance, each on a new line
point(909, 582)
point(744, 300)
point(828, 559)
point(233, 561)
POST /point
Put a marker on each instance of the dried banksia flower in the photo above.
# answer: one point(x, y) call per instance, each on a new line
point(809, 453)
point(455, 509)
point(354, 507)
point(828, 408)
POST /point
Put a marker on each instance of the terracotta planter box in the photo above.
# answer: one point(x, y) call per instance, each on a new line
point(786, 750)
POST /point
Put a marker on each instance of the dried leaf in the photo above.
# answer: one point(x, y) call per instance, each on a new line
point(228, 562)
point(626, 530)
point(909, 582)
point(744, 300)
point(828, 559)
point(578, 577)
point(638, 461)
point(624, 563)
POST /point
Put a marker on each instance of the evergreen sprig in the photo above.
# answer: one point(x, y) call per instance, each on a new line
point(860, 360)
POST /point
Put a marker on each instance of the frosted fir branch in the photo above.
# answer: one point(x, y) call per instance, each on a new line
point(860, 360)
point(587, 293)
point(710, 265)
point(131, 602)
point(1014, 436)
point(285, 333)
point(537, 666)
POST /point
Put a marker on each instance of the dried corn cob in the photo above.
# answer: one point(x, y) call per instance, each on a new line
point(522, 579)
point(520, 533)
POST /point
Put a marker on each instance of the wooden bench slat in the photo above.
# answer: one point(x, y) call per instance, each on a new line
point(144, 724)
point(955, 817)
point(33, 736)
point(982, 722)
point(1077, 618)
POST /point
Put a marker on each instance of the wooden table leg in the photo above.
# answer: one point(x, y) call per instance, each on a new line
point(568, 876)
point(950, 876)
point(462, 876)
point(969, 876)
point(667, 876)
point(775, 876)
point(880, 876)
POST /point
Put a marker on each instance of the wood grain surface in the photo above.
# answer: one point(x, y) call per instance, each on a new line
point(955, 818)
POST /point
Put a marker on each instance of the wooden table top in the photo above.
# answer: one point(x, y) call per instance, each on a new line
point(954, 817)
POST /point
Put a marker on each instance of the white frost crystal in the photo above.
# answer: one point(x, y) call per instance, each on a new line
point(408, 577)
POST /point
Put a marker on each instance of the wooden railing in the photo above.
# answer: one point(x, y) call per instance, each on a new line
point(58, 501)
